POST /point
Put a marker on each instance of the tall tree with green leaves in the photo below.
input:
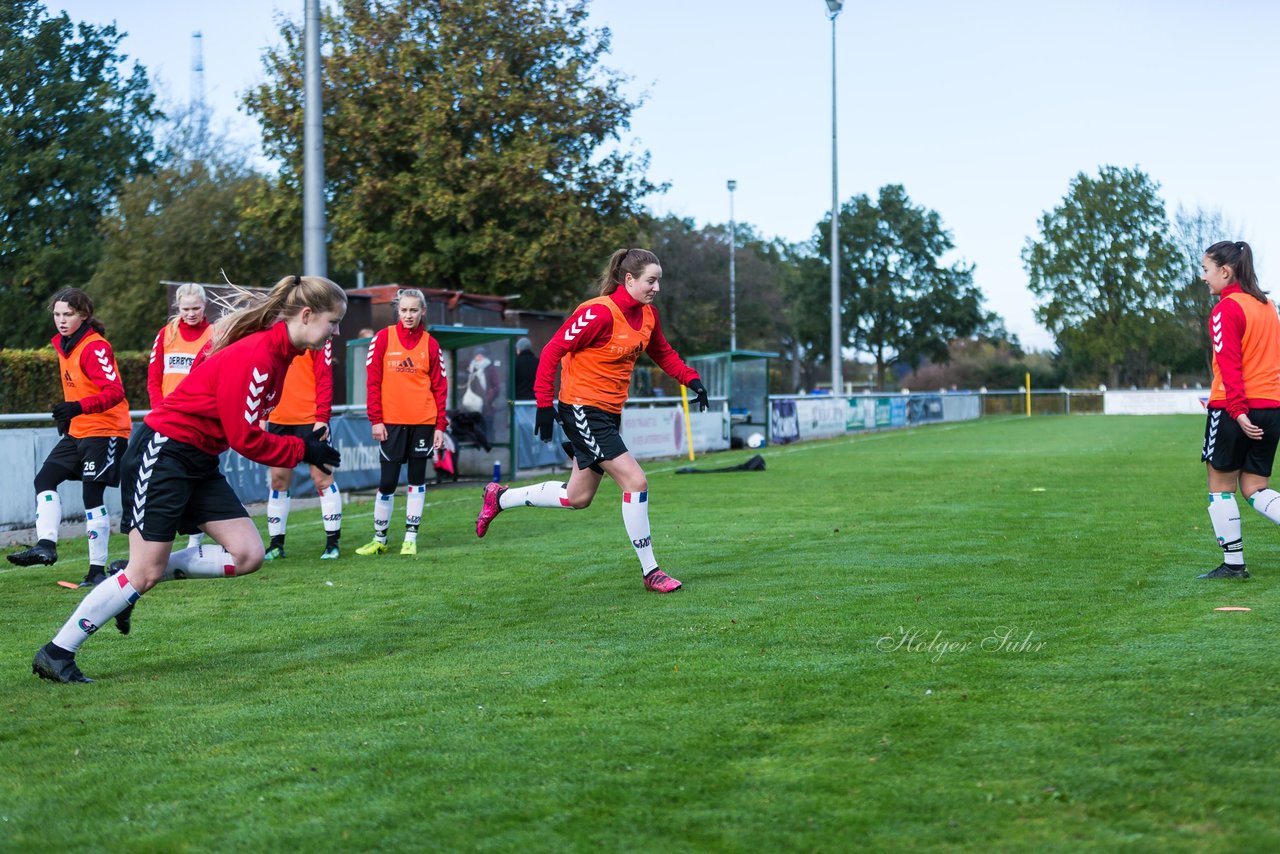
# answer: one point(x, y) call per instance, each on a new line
point(186, 221)
point(1195, 231)
point(1106, 273)
point(75, 127)
point(469, 144)
point(899, 302)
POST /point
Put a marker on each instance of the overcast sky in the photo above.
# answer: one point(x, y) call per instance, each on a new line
point(984, 110)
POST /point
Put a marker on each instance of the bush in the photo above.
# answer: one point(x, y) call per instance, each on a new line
point(29, 380)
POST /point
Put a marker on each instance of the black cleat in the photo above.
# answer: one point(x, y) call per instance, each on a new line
point(1227, 571)
point(124, 620)
point(39, 554)
point(117, 566)
point(46, 666)
point(95, 576)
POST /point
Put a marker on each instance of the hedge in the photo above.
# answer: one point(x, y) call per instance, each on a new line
point(29, 380)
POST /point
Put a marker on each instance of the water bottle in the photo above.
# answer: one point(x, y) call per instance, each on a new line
point(497, 471)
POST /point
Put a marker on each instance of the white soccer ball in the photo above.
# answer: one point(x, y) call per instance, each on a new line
point(755, 440)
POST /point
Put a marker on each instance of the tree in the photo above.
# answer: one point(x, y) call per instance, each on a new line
point(186, 221)
point(74, 130)
point(1106, 272)
point(467, 143)
point(898, 303)
point(1195, 231)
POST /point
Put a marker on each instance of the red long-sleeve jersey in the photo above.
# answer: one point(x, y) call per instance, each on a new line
point(579, 333)
point(435, 371)
point(221, 402)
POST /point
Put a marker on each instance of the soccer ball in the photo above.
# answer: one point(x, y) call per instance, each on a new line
point(755, 440)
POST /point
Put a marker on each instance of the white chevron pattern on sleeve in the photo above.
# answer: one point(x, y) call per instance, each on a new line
point(253, 402)
point(575, 329)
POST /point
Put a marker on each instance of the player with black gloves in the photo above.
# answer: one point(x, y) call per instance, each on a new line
point(597, 348)
point(172, 482)
point(94, 424)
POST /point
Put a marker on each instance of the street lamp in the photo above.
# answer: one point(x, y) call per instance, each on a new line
point(733, 245)
point(837, 380)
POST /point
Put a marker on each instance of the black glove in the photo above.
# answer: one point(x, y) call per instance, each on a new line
point(696, 386)
point(320, 453)
point(63, 427)
point(67, 410)
point(546, 418)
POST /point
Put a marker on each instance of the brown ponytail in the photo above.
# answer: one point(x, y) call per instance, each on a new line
point(1239, 257)
point(251, 312)
point(625, 261)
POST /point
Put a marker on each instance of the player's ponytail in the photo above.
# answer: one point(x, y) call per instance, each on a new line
point(625, 261)
point(251, 311)
point(1239, 257)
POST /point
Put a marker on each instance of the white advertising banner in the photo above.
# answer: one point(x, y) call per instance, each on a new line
point(1157, 402)
point(659, 431)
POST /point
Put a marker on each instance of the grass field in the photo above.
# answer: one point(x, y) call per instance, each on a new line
point(982, 636)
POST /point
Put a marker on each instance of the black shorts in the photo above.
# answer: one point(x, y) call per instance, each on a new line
point(408, 440)
point(302, 431)
point(1227, 448)
point(170, 488)
point(93, 459)
point(593, 433)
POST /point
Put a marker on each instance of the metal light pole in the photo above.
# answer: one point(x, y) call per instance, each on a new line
point(315, 256)
point(837, 368)
point(733, 246)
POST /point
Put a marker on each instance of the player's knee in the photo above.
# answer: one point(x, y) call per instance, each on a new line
point(248, 558)
point(580, 502)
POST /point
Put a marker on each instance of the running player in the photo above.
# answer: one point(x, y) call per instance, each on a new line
point(171, 479)
point(405, 394)
point(597, 348)
point(94, 423)
point(305, 407)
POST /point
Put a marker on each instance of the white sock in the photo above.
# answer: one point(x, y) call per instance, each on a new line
point(382, 507)
point(1224, 513)
point(194, 540)
point(1267, 502)
point(101, 604)
point(48, 515)
point(549, 493)
point(415, 500)
point(278, 512)
point(635, 516)
point(331, 509)
point(211, 561)
point(97, 525)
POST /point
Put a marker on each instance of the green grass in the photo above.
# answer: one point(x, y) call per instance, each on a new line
point(525, 693)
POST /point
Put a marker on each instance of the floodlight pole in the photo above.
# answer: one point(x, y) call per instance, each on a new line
point(733, 246)
point(837, 357)
point(315, 260)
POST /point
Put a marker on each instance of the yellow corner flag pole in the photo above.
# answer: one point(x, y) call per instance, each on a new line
point(1028, 394)
point(688, 425)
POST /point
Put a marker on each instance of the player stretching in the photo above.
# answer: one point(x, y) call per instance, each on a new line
point(171, 479)
point(597, 348)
